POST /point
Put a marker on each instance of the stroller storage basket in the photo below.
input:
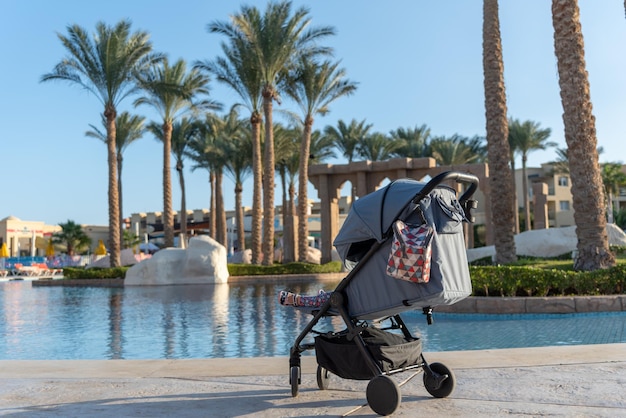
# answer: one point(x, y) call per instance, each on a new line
point(342, 357)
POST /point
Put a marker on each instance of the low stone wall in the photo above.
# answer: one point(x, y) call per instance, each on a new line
point(552, 304)
point(80, 282)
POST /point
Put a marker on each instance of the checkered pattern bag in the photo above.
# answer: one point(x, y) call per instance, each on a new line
point(410, 252)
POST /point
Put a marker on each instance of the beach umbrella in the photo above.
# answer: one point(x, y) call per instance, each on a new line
point(4, 251)
point(50, 249)
point(101, 250)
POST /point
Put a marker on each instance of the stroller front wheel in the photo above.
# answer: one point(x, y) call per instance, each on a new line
point(441, 383)
point(383, 395)
point(323, 377)
point(294, 379)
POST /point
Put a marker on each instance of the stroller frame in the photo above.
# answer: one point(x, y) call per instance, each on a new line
point(383, 394)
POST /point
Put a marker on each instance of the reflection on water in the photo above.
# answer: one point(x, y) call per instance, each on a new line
point(236, 320)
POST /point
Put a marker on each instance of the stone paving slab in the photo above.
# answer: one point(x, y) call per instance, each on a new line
point(571, 381)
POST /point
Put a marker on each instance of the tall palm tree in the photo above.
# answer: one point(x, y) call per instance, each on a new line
point(72, 237)
point(413, 142)
point(172, 91)
point(106, 65)
point(613, 179)
point(497, 136)
point(277, 38)
point(287, 143)
point(238, 70)
point(580, 135)
point(238, 166)
point(313, 86)
point(525, 137)
point(456, 150)
point(183, 132)
point(129, 128)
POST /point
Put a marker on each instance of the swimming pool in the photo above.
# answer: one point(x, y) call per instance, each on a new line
point(237, 320)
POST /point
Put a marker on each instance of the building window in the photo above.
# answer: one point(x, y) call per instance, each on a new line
point(563, 181)
point(564, 205)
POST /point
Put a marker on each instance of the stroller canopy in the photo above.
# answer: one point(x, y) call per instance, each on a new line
point(372, 215)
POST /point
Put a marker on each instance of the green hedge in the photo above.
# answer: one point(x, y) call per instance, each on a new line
point(529, 281)
point(94, 273)
point(289, 268)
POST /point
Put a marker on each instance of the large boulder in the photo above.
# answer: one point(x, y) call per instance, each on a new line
point(204, 261)
point(550, 242)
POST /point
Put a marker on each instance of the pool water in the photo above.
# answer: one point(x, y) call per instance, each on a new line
point(238, 320)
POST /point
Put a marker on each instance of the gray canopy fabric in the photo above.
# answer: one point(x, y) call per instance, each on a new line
point(372, 215)
point(371, 293)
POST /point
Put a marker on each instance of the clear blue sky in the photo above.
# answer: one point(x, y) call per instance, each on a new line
point(415, 62)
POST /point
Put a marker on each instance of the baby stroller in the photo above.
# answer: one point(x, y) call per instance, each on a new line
point(368, 297)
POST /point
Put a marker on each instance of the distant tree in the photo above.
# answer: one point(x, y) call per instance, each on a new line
point(346, 137)
point(376, 147)
point(107, 66)
point(172, 91)
point(72, 237)
point(314, 87)
point(525, 137)
point(129, 128)
point(412, 142)
point(130, 240)
point(457, 150)
point(613, 179)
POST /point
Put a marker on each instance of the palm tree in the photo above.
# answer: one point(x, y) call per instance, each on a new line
point(106, 65)
point(497, 134)
point(238, 70)
point(238, 165)
point(171, 90)
point(580, 135)
point(457, 150)
point(413, 142)
point(347, 137)
point(613, 179)
point(183, 132)
point(313, 87)
point(524, 138)
point(128, 130)
point(72, 237)
point(288, 145)
point(277, 39)
point(376, 147)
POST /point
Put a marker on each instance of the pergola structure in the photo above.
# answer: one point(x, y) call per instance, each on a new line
point(366, 176)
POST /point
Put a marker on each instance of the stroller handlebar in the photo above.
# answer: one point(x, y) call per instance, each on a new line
point(465, 178)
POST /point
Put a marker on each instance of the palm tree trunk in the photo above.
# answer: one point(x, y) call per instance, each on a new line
point(526, 200)
point(168, 213)
point(287, 247)
point(212, 217)
point(241, 232)
point(114, 208)
point(580, 135)
point(515, 204)
point(497, 136)
point(183, 201)
point(119, 193)
point(268, 180)
point(292, 210)
point(220, 223)
point(303, 182)
point(257, 173)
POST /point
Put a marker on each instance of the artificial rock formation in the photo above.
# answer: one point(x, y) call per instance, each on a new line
point(202, 262)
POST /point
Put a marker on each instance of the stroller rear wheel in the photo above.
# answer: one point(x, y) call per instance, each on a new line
point(323, 377)
point(383, 395)
point(294, 379)
point(441, 383)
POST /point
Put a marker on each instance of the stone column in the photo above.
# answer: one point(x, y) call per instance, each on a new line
point(540, 207)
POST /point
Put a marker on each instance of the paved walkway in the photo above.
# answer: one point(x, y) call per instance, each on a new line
point(569, 381)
